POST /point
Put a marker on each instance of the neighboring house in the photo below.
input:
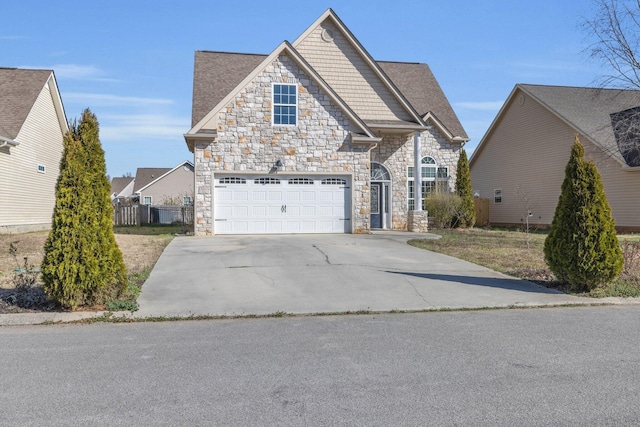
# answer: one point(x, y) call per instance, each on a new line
point(32, 126)
point(519, 164)
point(122, 188)
point(164, 186)
point(317, 137)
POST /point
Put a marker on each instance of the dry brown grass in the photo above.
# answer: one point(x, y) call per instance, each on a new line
point(140, 252)
point(521, 254)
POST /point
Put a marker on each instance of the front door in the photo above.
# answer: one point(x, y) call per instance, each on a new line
point(376, 204)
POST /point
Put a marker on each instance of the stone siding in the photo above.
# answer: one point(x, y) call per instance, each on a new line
point(418, 221)
point(395, 152)
point(248, 142)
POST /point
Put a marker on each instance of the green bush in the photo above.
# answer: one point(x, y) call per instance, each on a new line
point(443, 209)
point(466, 217)
point(582, 247)
point(82, 264)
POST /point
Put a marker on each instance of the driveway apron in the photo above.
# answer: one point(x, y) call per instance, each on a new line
point(332, 273)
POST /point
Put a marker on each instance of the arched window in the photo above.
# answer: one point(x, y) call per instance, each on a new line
point(379, 172)
point(434, 178)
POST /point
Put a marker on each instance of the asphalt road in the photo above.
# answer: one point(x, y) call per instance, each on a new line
point(558, 366)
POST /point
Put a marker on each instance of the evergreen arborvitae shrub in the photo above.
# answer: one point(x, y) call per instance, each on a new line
point(582, 247)
point(82, 263)
point(467, 215)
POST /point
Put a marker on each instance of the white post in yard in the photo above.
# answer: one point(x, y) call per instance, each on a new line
point(417, 171)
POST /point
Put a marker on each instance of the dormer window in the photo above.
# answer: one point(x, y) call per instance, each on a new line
point(285, 104)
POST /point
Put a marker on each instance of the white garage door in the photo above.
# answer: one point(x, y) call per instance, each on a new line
point(281, 204)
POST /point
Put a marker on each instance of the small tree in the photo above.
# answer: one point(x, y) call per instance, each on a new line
point(82, 263)
point(582, 247)
point(467, 215)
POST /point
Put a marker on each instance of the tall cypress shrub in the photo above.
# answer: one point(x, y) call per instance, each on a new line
point(582, 247)
point(467, 214)
point(82, 264)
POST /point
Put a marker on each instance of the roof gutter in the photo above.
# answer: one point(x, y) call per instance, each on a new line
point(363, 139)
point(460, 140)
point(203, 136)
point(6, 141)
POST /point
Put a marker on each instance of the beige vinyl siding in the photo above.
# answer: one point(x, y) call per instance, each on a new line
point(174, 185)
point(27, 197)
point(344, 69)
point(623, 191)
point(526, 155)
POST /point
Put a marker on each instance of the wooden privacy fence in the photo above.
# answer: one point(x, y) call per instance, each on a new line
point(482, 211)
point(126, 214)
point(140, 215)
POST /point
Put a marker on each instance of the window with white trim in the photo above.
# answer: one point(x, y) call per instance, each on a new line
point(285, 104)
point(187, 201)
point(334, 181)
point(300, 181)
point(268, 180)
point(147, 200)
point(434, 179)
point(232, 180)
point(42, 169)
point(497, 195)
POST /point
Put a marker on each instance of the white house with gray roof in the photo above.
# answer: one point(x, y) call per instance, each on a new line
point(317, 137)
point(32, 126)
point(519, 163)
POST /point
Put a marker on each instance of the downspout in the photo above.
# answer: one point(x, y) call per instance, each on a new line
point(417, 171)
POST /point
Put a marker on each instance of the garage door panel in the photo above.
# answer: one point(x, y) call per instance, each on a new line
point(309, 196)
point(240, 195)
point(275, 195)
point(308, 211)
point(255, 205)
point(259, 195)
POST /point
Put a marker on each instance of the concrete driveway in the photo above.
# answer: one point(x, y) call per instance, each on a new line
point(242, 275)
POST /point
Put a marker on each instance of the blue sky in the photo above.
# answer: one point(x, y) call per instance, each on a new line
point(131, 62)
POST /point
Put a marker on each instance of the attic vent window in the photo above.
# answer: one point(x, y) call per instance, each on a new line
point(327, 35)
point(42, 169)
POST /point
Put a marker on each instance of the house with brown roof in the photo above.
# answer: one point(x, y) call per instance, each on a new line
point(122, 187)
point(519, 163)
point(317, 137)
point(165, 186)
point(32, 126)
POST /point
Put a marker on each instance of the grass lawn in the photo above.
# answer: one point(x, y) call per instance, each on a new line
point(141, 247)
point(520, 254)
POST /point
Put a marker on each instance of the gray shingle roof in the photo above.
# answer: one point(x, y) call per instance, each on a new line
point(216, 74)
point(418, 84)
point(119, 183)
point(588, 110)
point(145, 175)
point(19, 89)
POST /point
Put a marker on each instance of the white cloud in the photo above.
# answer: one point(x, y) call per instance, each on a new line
point(546, 65)
point(142, 127)
point(482, 105)
point(105, 100)
point(76, 72)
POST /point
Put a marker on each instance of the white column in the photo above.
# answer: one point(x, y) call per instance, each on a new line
point(417, 171)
